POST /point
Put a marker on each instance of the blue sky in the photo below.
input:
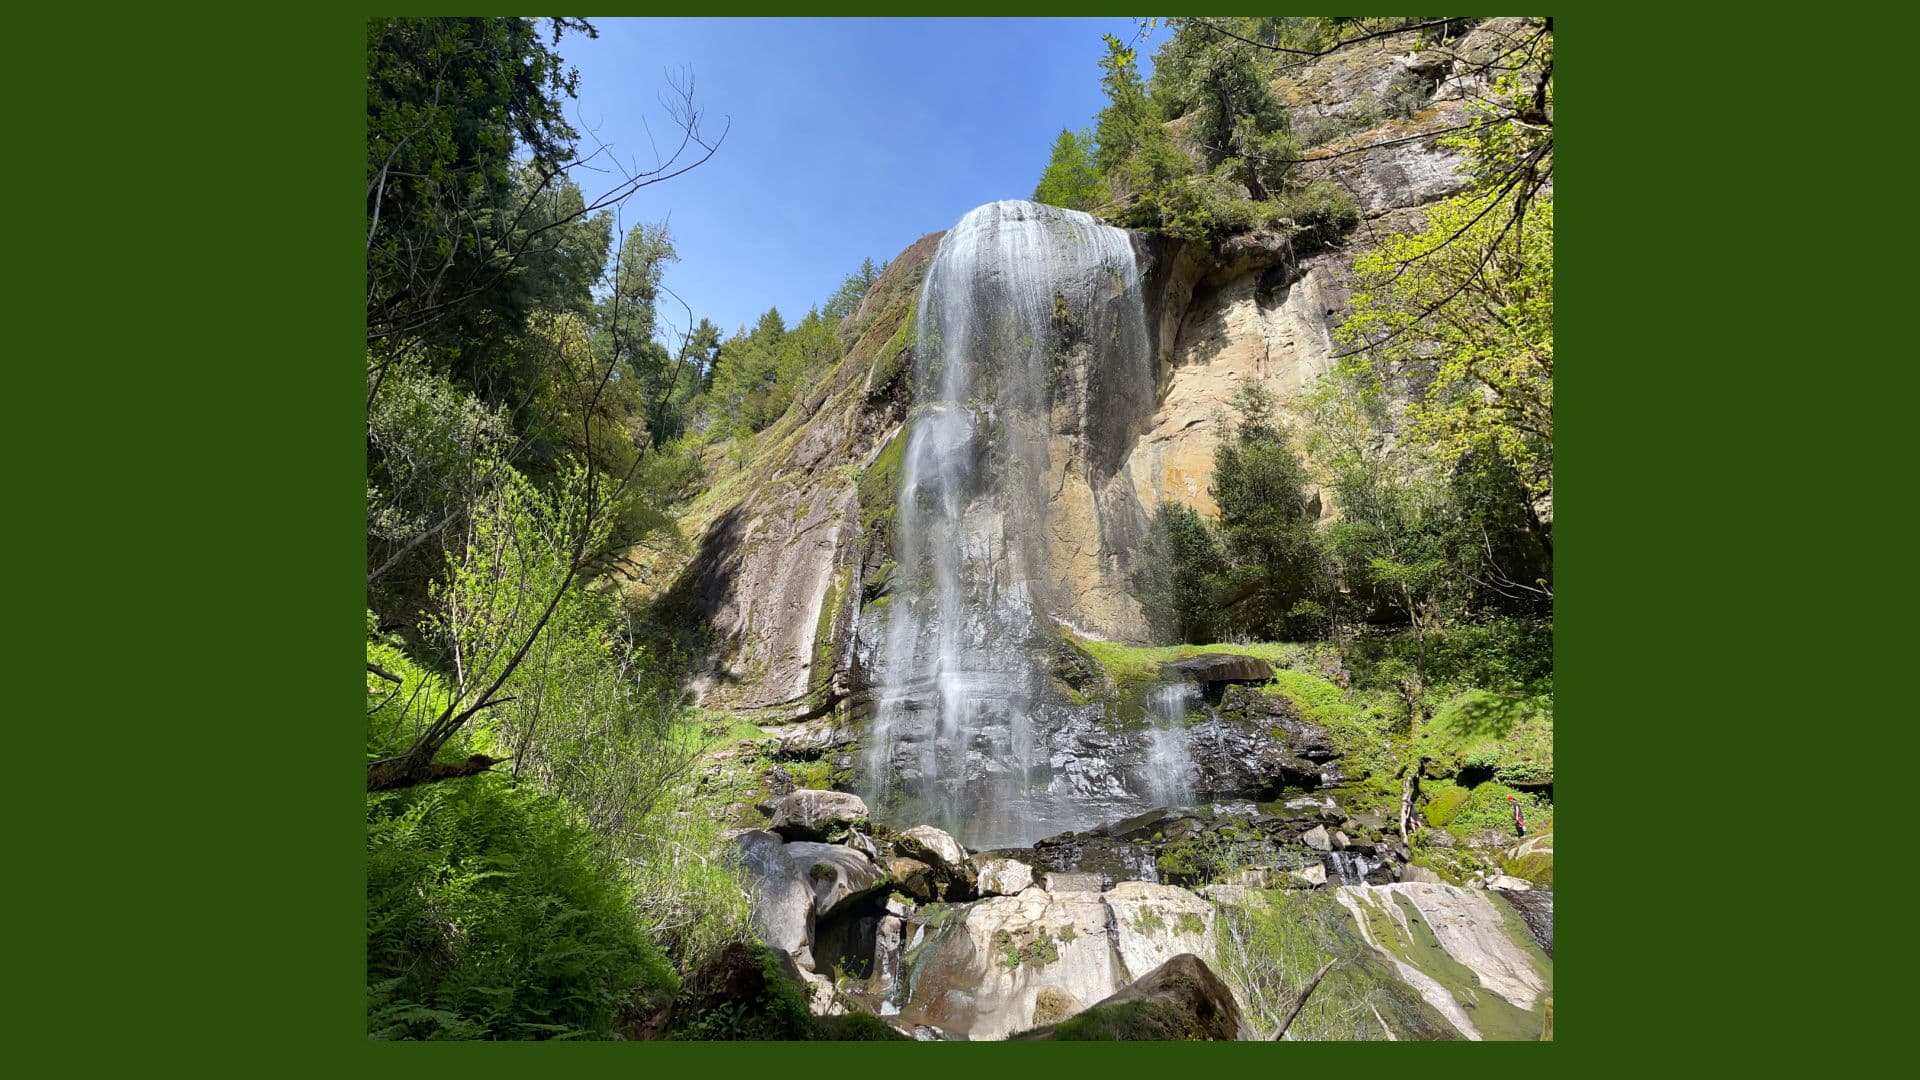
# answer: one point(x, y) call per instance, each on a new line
point(851, 138)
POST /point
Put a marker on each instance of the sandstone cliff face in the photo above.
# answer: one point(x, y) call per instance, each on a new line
point(788, 561)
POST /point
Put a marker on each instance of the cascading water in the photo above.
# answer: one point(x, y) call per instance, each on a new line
point(1014, 293)
point(1170, 766)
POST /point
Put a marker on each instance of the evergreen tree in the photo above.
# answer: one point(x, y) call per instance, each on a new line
point(1070, 178)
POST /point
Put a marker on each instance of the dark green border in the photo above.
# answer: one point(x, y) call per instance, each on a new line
point(218, 301)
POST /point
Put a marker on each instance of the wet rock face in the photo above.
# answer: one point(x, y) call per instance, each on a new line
point(1236, 755)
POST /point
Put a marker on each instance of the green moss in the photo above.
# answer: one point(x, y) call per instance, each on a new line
point(879, 486)
point(1129, 1021)
point(1444, 800)
point(1535, 867)
point(823, 653)
point(1190, 924)
point(894, 355)
point(1149, 923)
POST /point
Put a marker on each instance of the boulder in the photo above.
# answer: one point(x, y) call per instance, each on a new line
point(1317, 839)
point(1509, 883)
point(838, 874)
point(1416, 873)
point(910, 876)
point(935, 848)
point(1181, 999)
point(1004, 877)
point(1312, 877)
point(1220, 667)
point(811, 814)
point(1013, 956)
point(783, 899)
point(862, 843)
point(1340, 841)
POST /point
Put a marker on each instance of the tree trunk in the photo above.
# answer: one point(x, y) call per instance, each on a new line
point(1302, 1003)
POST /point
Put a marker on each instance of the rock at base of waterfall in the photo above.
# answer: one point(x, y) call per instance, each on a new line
point(910, 876)
point(1004, 877)
point(1312, 877)
point(838, 874)
point(935, 848)
point(1010, 950)
point(862, 843)
point(783, 899)
point(1317, 839)
point(1155, 923)
point(1413, 872)
point(1302, 738)
point(1181, 999)
point(812, 814)
point(1509, 883)
point(1056, 883)
point(1220, 667)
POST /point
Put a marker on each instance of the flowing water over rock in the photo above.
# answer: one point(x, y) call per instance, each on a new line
point(1019, 297)
point(1170, 767)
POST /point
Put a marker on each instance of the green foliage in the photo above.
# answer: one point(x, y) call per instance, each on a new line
point(493, 912)
point(1444, 800)
point(846, 299)
point(895, 356)
point(449, 101)
point(1486, 810)
point(1535, 867)
point(1071, 178)
point(1266, 525)
point(433, 451)
point(758, 374)
point(1462, 313)
point(1176, 575)
point(879, 488)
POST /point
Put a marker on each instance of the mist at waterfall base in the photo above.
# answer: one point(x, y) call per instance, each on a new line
point(965, 736)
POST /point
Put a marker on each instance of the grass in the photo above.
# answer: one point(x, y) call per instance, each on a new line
point(1133, 663)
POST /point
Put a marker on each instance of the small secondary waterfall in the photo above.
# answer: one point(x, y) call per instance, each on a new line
point(1015, 293)
point(1170, 768)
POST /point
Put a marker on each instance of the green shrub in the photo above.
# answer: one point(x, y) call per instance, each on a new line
point(1320, 214)
point(493, 913)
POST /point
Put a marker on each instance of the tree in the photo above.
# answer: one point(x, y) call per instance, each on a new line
point(448, 100)
point(1267, 518)
point(1071, 179)
point(1460, 314)
point(1177, 575)
point(1391, 540)
point(846, 299)
point(1238, 125)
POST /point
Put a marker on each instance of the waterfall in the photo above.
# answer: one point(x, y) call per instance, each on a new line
point(1170, 766)
point(1021, 301)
